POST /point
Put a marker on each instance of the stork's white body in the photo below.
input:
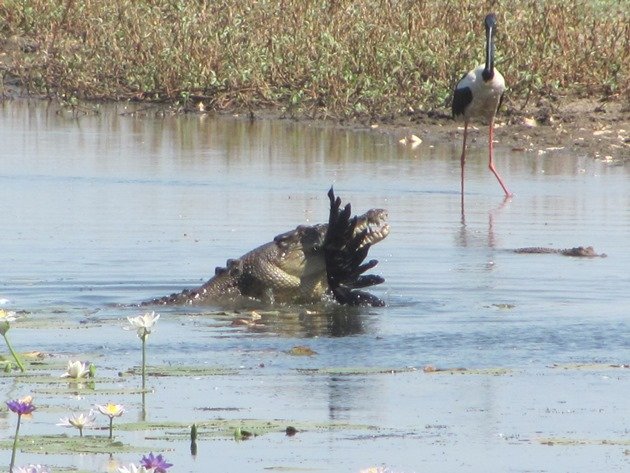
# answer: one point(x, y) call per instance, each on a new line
point(486, 95)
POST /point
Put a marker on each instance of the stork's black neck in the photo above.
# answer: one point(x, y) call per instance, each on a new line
point(488, 71)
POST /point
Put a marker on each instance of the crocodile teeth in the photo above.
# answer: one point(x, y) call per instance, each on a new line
point(375, 235)
point(374, 226)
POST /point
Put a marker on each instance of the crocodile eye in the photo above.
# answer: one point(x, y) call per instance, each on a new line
point(284, 237)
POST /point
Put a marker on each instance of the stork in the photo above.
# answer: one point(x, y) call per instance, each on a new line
point(478, 96)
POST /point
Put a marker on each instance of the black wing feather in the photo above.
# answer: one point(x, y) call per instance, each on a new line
point(462, 98)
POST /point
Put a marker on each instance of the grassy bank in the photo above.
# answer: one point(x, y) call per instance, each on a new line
point(323, 58)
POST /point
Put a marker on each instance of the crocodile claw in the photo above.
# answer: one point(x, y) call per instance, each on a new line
point(344, 255)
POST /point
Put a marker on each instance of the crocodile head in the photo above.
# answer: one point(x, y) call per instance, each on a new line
point(370, 228)
point(292, 268)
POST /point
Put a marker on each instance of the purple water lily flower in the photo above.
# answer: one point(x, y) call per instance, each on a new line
point(158, 463)
point(21, 406)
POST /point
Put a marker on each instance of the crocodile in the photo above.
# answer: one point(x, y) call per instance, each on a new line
point(579, 251)
point(303, 265)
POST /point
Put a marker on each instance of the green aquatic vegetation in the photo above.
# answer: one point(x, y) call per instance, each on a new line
point(185, 371)
point(176, 431)
point(590, 366)
point(225, 428)
point(53, 380)
point(326, 59)
point(503, 306)
point(64, 444)
point(38, 362)
point(470, 371)
point(193, 439)
point(242, 434)
point(354, 371)
point(41, 374)
point(566, 441)
point(86, 390)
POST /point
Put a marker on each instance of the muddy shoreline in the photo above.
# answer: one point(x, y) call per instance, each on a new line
point(584, 127)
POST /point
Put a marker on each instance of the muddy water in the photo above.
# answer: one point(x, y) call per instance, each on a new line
point(115, 208)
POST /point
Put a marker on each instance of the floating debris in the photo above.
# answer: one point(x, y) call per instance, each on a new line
point(301, 350)
point(411, 140)
point(467, 371)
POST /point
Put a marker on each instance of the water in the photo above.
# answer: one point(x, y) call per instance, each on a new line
point(102, 211)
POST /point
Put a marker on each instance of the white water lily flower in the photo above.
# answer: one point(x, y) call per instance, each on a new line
point(31, 469)
point(77, 370)
point(78, 421)
point(111, 410)
point(143, 324)
point(132, 469)
point(6, 316)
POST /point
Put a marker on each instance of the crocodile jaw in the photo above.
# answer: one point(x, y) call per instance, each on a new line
point(374, 224)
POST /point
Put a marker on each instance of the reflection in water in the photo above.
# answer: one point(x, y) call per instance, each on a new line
point(328, 320)
point(343, 392)
point(462, 234)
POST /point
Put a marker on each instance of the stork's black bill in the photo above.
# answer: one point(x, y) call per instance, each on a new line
point(490, 22)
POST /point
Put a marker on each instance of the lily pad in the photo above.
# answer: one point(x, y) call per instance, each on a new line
point(177, 431)
point(64, 444)
point(55, 379)
point(37, 361)
point(504, 306)
point(354, 371)
point(565, 441)
point(467, 371)
point(590, 366)
point(175, 370)
point(115, 391)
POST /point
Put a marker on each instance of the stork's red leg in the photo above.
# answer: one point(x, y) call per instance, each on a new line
point(491, 160)
point(463, 161)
